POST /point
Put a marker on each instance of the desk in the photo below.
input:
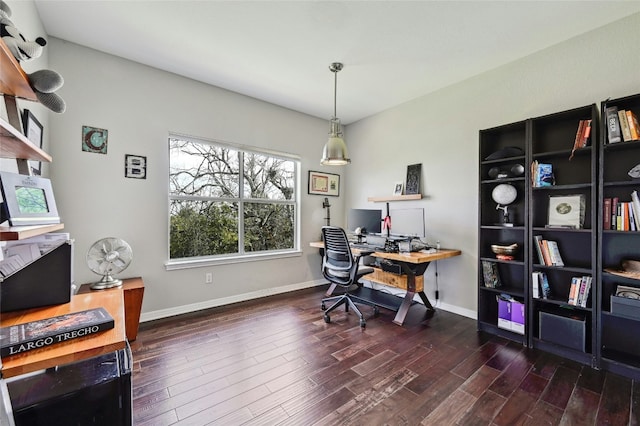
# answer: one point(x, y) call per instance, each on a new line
point(413, 266)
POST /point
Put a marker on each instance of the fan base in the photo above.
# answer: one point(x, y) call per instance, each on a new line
point(106, 282)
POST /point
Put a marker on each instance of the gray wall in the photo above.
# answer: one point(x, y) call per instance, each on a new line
point(441, 132)
point(141, 105)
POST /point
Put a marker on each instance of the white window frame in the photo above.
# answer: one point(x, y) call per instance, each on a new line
point(241, 256)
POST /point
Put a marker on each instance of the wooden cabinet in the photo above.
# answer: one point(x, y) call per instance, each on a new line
point(506, 154)
point(618, 335)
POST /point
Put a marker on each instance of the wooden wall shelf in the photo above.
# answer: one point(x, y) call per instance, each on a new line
point(13, 144)
point(13, 80)
point(15, 233)
point(395, 198)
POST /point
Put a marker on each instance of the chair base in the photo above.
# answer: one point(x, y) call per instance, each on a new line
point(345, 300)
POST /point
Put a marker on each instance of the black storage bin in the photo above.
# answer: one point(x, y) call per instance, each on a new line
point(43, 282)
point(567, 331)
point(625, 306)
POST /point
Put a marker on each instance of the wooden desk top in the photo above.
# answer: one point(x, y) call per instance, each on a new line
point(413, 257)
point(72, 350)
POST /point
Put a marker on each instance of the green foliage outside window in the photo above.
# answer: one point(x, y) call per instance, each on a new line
point(205, 200)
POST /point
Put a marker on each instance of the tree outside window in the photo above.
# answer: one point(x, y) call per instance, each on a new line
point(212, 185)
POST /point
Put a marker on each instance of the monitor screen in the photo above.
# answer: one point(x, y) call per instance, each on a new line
point(407, 222)
point(369, 221)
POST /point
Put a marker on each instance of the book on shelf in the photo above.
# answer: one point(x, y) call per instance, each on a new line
point(538, 243)
point(582, 136)
point(543, 175)
point(634, 126)
point(554, 253)
point(535, 285)
point(614, 212)
point(635, 202)
point(27, 336)
point(544, 285)
point(606, 216)
point(624, 125)
point(613, 124)
point(573, 290)
point(490, 274)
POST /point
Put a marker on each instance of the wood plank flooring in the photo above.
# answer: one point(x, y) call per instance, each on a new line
point(274, 361)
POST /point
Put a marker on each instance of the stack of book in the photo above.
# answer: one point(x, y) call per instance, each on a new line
point(622, 215)
point(579, 291)
point(622, 125)
point(548, 252)
point(541, 174)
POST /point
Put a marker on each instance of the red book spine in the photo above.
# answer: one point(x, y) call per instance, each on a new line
point(606, 220)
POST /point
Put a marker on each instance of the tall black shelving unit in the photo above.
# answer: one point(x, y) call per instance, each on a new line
point(617, 340)
point(511, 140)
point(547, 139)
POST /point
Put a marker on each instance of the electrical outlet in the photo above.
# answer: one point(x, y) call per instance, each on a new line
point(208, 278)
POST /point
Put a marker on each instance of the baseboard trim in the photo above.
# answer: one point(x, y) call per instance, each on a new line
point(214, 303)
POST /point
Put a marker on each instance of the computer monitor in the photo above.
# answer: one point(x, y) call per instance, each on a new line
point(407, 222)
point(369, 221)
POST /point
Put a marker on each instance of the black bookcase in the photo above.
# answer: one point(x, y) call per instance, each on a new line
point(617, 340)
point(503, 161)
point(555, 325)
point(548, 139)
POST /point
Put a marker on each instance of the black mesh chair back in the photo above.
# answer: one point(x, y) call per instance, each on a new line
point(340, 267)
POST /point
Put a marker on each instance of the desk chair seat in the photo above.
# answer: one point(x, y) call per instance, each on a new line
point(341, 267)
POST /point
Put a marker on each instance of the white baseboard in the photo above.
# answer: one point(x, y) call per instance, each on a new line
point(185, 309)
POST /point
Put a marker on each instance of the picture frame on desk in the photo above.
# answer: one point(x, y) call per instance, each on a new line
point(34, 131)
point(326, 184)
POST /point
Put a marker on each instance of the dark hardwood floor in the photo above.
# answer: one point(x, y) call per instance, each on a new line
point(274, 361)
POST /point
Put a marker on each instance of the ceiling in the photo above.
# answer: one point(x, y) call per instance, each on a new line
point(280, 51)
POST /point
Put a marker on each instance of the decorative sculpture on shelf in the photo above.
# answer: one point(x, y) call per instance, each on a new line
point(504, 194)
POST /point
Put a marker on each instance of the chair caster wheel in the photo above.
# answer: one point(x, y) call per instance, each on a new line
point(327, 319)
point(323, 307)
point(376, 311)
point(363, 324)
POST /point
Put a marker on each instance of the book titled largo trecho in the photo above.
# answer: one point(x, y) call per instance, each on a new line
point(24, 337)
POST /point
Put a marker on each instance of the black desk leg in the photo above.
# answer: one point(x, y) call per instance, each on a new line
point(426, 301)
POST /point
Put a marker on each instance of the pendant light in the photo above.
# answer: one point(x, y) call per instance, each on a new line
point(335, 151)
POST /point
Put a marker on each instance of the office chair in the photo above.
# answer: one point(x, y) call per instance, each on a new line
point(340, 267)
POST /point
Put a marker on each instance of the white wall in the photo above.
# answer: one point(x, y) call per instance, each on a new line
point(140, 106)
point(441, 132)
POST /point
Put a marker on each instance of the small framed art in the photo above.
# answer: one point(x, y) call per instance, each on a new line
point(94, 139)
point(414, 173)
point(566, 211)
point(33, 130)
point(135, 166)
point(324, 184)
point(397, 189)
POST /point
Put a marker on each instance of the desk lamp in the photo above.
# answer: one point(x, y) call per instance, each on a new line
point(504, 194)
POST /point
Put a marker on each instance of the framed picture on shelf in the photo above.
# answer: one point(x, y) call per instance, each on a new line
point(566, 211)
point(324, 184)
point(34, 131)
point(397, 190)
point(414, 172)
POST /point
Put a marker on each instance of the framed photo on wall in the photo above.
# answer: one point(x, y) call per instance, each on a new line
point(34, 131)
point(326, 184)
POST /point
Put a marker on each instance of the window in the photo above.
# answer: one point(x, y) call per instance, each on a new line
point(229, 201)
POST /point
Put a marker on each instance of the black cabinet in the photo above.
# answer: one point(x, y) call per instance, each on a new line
point(618, 336)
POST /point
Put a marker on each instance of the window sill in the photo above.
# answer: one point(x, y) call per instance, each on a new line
point(200, 262)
